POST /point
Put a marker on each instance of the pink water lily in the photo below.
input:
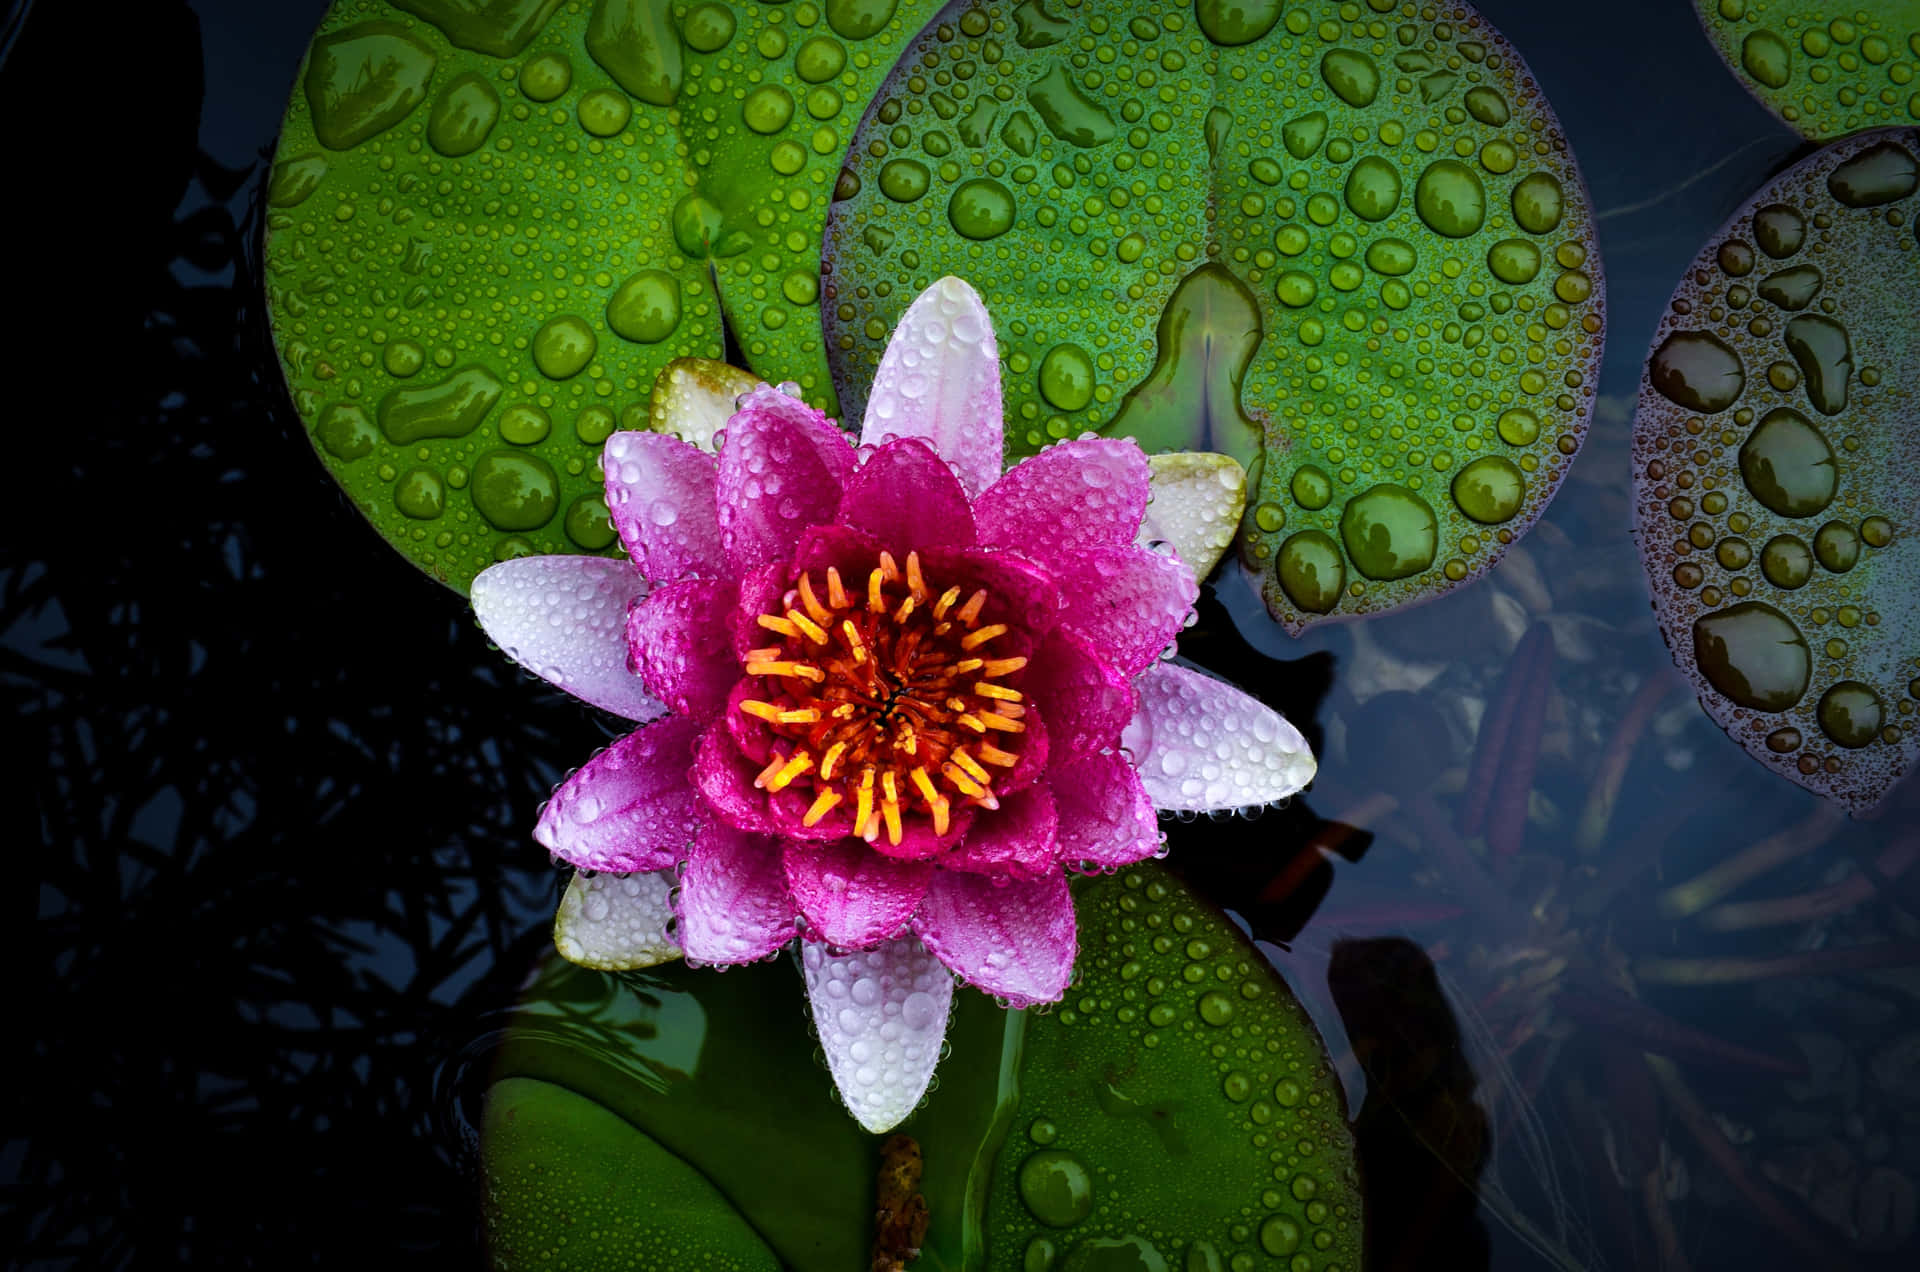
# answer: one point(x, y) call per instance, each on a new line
point(890, 696)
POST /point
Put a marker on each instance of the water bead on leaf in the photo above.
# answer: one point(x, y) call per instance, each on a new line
point(1173, 1145)
point(1230, 255)
point(1826, 69)
point(1806, 468)
point(428, 145)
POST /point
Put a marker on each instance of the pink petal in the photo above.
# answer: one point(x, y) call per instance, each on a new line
point(1034, 753)
point(1019, 593)
point(850, 896)
point(881, 1015)
point(917, 840)
point(760, 593)
point(781, 470)
point(677, 642)
point(907, 497)
point(1201, 744)
point(564, 619)
point(733, 905)
point(1085, 699)
point(853, 552)
point(1017, 842)
point(1130, 601)
point(661, 494)
point(1106, 819)
point(1089, 493)
point(940, 379)
point(724, 778)
point(1015, 940)
point(629, 808)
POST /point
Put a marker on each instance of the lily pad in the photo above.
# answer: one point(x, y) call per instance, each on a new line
point(1177, 1110)
point(1345, 244)
point(1774, 453)
point(1826, 69)
point(492, 223)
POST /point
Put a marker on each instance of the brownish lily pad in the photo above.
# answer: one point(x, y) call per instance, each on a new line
point(1774, 452)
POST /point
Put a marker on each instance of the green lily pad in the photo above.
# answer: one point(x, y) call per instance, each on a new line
point(1177, 1109)
point(1342, 243)
point(492, 223)
point(1773, 455)
point(583, 1161)
point(1826, 69)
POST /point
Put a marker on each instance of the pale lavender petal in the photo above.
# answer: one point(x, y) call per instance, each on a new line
point(630, 807)
point(940, 379)
point(1081, 494)
point(660, 493)
point(1130, 601)
point(1198, 499)
point(1015, 941)
point(907, 498)
point(881, 1015)
point(1085, 699)
point(732, 904)
point(693, 398)
point(564, 618)
point(617, 922)
point(677, 642)
point(1201, 744)
point(1106, 819)
point(781, 470)
point(1019, 841)
point(850, 896)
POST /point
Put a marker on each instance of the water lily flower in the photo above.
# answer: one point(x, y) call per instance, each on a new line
point(890, 695)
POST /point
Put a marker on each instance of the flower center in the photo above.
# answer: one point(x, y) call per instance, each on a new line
point(889, 698)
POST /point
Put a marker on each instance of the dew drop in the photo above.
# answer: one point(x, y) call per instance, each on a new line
point(1699, 371)
point(1754, 655)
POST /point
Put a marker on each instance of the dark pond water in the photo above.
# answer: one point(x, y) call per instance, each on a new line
point(281, 786)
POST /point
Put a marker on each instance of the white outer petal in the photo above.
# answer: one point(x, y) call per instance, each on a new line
point(616, 923)
point(564, 618)
point(1198, 497)
point(693, 399)
point(940, 379)
point(1200, 744)
point(882, 1016)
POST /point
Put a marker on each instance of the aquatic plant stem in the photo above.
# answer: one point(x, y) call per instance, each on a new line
point(1821, 903)
point(1604, 794)
point(1700, 1124)
point(1666, 1238)
point(1775, 850)
point(1488, 778)
point(1619, 1015)
point(1733, 971)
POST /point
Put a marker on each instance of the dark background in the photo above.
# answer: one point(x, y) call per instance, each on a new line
point(273, 783)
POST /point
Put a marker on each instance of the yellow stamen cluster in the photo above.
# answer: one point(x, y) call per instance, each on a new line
point(886, 697)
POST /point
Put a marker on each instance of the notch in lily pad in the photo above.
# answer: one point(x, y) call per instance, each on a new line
point(1228, 270)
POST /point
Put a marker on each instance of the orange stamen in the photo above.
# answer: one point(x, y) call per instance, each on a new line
point(814, 632)
point(815, 609)
point(793, 768)
point(823, 804)
point(979, 637)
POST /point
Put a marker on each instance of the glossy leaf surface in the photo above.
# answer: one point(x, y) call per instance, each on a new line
point(1178, 1107)
point(1773, 456)
point(491, 227)
point(1826, 69)
point(1344, 244)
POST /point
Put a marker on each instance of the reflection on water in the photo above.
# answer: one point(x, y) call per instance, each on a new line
point(1567, 944)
